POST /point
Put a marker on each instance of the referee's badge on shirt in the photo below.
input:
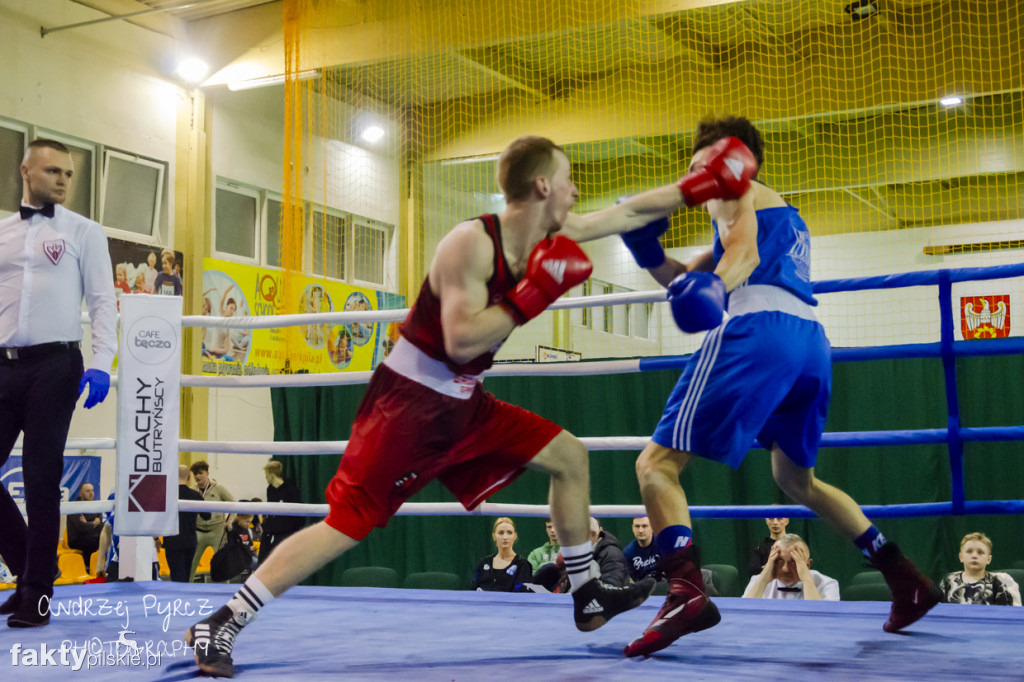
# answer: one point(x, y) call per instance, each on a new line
point(54, 249)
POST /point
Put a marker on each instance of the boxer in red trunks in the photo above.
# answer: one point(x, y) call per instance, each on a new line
point(426, 415)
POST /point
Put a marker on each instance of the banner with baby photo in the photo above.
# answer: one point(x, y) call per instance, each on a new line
point(237, 290)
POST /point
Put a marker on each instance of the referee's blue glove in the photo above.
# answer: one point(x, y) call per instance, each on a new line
point(99, 385)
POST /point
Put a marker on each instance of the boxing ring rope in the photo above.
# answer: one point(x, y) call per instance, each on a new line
point(954, 435)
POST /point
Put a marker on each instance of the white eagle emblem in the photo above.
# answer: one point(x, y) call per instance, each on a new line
point(985, 316)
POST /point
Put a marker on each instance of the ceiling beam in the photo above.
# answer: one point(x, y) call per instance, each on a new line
point(162, 23)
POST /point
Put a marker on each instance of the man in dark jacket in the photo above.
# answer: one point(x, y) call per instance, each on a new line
point(277, 528)
point(608, 555)
point(180, 548)
point(84, 529)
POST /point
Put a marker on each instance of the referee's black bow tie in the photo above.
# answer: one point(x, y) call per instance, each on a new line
point(790, 589)
point(28, 211)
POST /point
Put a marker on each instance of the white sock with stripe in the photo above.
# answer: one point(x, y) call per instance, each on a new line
point(577, 564)
point(249, 599)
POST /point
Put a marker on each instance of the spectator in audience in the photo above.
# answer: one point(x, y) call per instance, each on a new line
point(608, 560)
point(974, 584)
point(608, 555)
point(256, 525)
point(787, 574)
point(84, 529)
point(209, 532)
point(245, 528)
point(641, 554)
point(179, 549)
point(107, 556)
point(277, 528)
point(759, 557)
point(548, 552)
point(503, 571)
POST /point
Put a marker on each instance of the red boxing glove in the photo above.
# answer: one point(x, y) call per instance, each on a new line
point(726, 174)
point(556, 265)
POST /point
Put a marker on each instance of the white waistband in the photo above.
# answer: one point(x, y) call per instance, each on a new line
point(756, 298)
point(412, 363)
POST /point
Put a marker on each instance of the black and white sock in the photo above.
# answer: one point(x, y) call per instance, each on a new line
point(577, 564)
point(249, 599)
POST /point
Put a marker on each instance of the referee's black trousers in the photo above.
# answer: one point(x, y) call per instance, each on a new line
point(37, 398)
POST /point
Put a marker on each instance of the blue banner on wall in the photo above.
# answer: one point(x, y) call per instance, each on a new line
point(77, 470)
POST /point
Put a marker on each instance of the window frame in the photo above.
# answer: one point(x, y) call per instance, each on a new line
point(255, 193)
point(26, 131)
point(346, 240)
point(380, 226)
point(160, 166)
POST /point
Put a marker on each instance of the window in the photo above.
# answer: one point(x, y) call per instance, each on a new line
point(131, 191)
point(273, 232)
point(12, 149)
point(616, 317)
point(622, 320)
point(329, 230)
point(369, 246)
point(235, 221)
point(642, 319)
point(585, 315)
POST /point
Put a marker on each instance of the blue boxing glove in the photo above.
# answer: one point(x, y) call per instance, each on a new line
point(645, 243)
point(99, 385)
point(697, 300)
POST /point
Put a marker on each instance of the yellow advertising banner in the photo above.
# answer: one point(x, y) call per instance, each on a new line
point(236, 290)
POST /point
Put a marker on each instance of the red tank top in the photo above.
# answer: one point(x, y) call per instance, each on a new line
point(422, 326)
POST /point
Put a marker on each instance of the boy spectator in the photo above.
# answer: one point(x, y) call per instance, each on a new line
point(974, 584)
point(211, 532)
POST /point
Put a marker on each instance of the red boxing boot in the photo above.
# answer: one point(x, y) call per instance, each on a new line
point(687, 607)
point(913, 595)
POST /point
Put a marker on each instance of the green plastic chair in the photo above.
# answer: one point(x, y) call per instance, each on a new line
point(726, 579)
point(433, 580)
point(1016, 573)
point(369, 576)
point(866, 592)
point(867, 578)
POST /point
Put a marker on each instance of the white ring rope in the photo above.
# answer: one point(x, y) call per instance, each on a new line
point(407, 509)
point(311, 447)
point(512, 369)
point(351, 317)
point(333, 447)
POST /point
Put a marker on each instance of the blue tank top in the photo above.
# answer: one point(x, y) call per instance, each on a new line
point(784, 246)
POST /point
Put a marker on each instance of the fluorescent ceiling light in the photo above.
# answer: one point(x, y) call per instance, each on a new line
point(372, 133)
point(951, 101)
point(270, 80)
point(193, 69)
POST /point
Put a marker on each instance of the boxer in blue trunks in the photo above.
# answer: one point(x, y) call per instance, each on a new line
point(765, 373)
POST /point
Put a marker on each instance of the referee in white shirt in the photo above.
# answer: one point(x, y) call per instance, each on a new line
point(49, 259)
